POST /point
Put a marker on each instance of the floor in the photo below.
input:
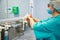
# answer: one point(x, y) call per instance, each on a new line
point(28, 35)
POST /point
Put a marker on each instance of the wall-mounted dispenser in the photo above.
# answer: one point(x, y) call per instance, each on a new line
point(15, 11)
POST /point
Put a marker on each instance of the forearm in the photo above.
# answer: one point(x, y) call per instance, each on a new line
point(36, 20)
point(31, 22)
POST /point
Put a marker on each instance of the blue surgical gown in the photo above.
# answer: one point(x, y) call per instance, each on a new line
point(48, 29)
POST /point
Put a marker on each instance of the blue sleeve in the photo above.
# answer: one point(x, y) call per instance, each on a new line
point(42, 20)
point(46, 26)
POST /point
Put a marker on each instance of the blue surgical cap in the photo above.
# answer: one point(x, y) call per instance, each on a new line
point(56, 5)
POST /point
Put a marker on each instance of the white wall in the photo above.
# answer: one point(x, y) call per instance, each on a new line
point(40, 9)
point(3, 11)
point(22, 4)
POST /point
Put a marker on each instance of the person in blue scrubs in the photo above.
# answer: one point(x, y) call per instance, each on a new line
point(48, 29)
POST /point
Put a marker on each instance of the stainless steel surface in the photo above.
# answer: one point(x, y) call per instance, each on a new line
point(16, 30)
point(0, 35)
point(13, 33)
point(10, 20)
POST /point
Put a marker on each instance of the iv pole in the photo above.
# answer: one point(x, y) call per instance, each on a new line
point(31, 6)
point(31, 9)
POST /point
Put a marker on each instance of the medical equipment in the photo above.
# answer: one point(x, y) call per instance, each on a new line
point(6, 37)
point(13, 27)
point(31, 6)
point(15, 11)
point(4, 34)
point(1, 29)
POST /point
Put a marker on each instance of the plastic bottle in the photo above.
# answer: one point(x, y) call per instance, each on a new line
point(6, 37)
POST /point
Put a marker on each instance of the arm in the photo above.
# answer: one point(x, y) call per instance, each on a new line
point(36, 20)
point(43, 28)
point(31, 22)
point(46, 26)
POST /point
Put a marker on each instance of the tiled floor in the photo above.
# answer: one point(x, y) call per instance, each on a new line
point(28, 35)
